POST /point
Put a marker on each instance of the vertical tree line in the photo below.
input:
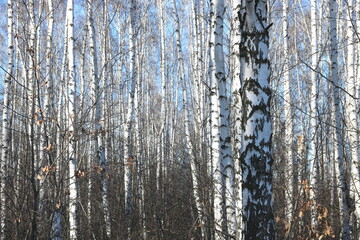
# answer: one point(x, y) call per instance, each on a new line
point(201, 119)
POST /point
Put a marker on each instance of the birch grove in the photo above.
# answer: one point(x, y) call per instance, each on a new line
point(201, 119)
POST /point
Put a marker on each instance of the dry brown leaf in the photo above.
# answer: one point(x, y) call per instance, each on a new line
point(39, 122)
point(49, 147)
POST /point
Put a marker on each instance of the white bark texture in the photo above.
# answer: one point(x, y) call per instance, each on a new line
point(102, 105)
point(226, 159)
point(256, 159)
point(5, 134)
point(351, 120)
point(216, 167)
point(72, 121)
point(288, 120)
point(338, 121)
point(128, 157)
point(95, 104)
point(235, 113)
point(189, 146)
point(314, 167)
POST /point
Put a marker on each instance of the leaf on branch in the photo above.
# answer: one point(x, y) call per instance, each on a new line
point(48, 169)
point(39, 122)
point(49, 147)
point(97, 169)
point(39, 177)
point(80, 173)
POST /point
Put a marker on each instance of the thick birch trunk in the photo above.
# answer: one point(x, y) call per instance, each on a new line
point(351, 111)
point(216, 167)
point(256, 152)
point(236, 110)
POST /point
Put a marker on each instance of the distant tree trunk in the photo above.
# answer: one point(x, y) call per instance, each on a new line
point(103, 133)
point(128, 157)
point(31, 86)
point(314, 166)
point(338, 121)
point(5, 135)
point(189, 145)
point(71, 134)
point(160, 168)
point(256, 159)
point(94, 156)
point(288, 124)
point(56, 222)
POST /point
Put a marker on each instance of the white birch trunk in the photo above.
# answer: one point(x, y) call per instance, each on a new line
point(216, 167)
point(95, 111)
point(31, 86)
point(103, 161)
point(256, 151)
point(189, 146)
point(314, 168)
point(45, 148)
point(226, 165)
point(236, 110)
point(161, 135)
point(351, 110)
point(128, 157)
point(72, 121)
point(5, 134)
point(345, 234)
point(288, 122)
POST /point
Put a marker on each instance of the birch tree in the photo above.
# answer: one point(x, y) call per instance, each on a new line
point(95, 154)
point(73, 191)
point(5, 134)
point(128, 158)
point(235, 113)
point(255, 157)
point(314, 168)
point(288, 119)
point(189, 145)
point(338, 121)
point(351, 120)
point(103, 157)
point(216, 168)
